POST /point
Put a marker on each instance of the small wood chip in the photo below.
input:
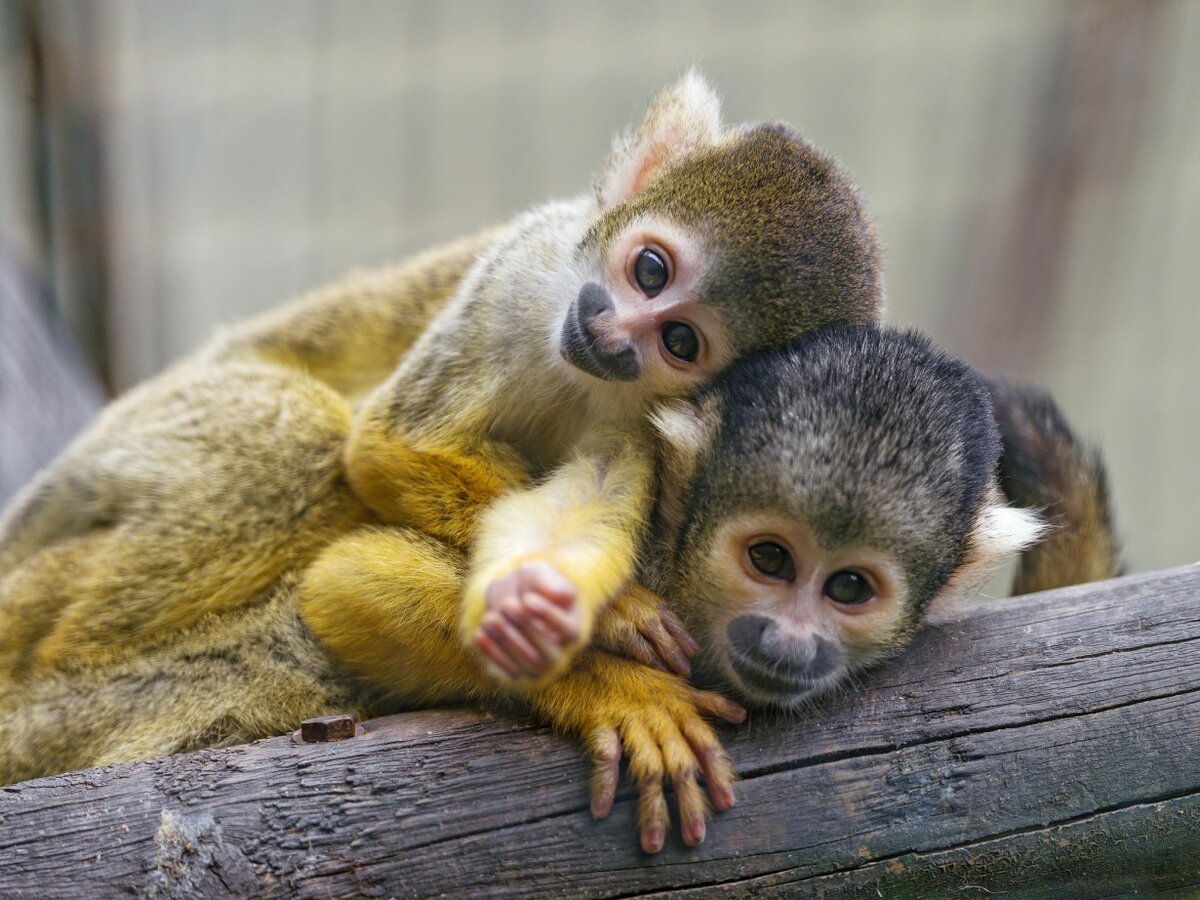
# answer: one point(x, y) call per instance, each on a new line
point(327, 728)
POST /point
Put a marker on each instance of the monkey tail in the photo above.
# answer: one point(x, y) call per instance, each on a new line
point(1046, 466)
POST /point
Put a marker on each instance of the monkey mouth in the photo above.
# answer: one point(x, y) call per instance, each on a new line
point(772, 686)
point(583, 351)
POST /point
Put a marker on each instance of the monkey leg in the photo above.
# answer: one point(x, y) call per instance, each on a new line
point(235, 676)
point(213, 484)
point(384, 604)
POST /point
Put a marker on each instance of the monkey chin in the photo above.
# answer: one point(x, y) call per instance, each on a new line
point(779, 690)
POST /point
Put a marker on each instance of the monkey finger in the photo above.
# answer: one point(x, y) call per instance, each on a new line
point(647, 768)
point(544, 579)
point(653, 818)
point(640, 649)
point(692, 808)
point(605, 748)
point(718, 707)
point(500, 589)
point(510, 642)
point(667, 649)
point(681, 762)
point(563, 624)
point(548, 644)
point(718, 773)
point(679, 632)
point(495, 655)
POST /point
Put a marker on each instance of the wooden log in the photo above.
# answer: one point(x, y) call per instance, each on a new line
point(1046, 745)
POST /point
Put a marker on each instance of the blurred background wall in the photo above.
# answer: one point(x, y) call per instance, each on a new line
point(1034, 169)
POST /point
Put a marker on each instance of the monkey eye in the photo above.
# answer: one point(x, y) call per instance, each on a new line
point(681, 341)
point(848, 588)
point(650, 272)
point(773, 561)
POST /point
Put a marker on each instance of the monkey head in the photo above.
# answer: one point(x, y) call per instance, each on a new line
point(709, 243)
point(821, 500)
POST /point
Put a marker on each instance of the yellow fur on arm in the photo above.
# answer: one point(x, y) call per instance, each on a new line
point(586, 522)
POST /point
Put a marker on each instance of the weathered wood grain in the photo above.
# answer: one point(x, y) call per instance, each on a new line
point(1044, 746)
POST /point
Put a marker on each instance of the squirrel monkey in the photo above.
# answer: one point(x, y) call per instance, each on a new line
point(700, 244)
point(883, 506)
point(527, 359)
point(817, 501)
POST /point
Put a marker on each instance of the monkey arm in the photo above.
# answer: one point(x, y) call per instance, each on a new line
point(585, 522)
point(235, 676)
point(350, 335)
point(384, 605)
point(438, 485)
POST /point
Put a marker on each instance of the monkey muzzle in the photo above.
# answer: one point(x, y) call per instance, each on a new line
point(773, 666)
point(580, 347)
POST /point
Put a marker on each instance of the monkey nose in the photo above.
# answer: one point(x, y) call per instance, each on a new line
point(593, 301)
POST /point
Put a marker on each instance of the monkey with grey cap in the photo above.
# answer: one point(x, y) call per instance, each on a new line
point(820, 501)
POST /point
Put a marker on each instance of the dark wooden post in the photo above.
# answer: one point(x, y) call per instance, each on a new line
point(1046, 745)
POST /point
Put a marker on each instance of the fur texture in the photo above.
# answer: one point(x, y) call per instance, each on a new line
point(1047, 468)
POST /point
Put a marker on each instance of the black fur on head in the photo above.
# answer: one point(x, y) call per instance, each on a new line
point(873, 436)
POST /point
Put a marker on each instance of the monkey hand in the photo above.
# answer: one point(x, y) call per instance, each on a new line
point(637, 624)
point(620, 707)
point(532, 623)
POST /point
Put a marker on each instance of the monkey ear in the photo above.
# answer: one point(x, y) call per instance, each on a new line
point(685, 428)
point(684, 118)
point(999, 531)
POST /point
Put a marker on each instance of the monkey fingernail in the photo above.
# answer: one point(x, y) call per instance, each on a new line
point(653, 838)
point(694, 833)
point(723, 798)
point(731, 712)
